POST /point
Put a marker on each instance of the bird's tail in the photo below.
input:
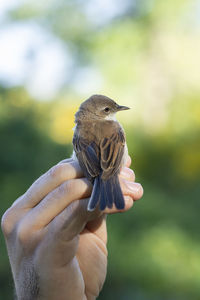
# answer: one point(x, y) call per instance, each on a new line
point(105, 193)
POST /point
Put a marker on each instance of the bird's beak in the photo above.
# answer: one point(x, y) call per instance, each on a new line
point(121, 107)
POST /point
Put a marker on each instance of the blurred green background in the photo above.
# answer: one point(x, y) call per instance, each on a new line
point(142, 53)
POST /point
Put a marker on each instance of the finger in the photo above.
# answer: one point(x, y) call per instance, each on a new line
point(48, 182)
point(128, 162)
point(56, 201)
point(127, 174)
point(128, 204)
point(72, 220)
point(98, 227)
point(63, 233)
point(69, 191)
point(132, 191)
point(130, 188)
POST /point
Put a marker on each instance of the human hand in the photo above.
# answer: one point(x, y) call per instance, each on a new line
point(57, 249)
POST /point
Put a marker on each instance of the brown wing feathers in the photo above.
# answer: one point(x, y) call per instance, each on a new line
point(112, 151)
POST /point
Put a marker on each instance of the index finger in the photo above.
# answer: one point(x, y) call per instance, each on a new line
point(48, 182)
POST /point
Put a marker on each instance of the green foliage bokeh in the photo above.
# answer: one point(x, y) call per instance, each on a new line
point(149, 57)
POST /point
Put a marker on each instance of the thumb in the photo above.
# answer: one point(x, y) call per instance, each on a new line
point(72, 220)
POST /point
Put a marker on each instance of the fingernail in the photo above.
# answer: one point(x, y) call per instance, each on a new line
point(128, 201)
point(126, 172)
point(134, 187)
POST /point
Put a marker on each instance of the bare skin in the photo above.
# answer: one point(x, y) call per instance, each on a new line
point(57, 249)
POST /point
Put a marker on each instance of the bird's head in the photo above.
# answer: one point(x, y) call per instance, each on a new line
point(98, 107)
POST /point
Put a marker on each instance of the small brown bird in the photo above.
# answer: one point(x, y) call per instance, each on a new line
point(100, 148)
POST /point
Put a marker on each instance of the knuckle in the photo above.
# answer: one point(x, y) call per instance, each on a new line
point(56, 171)
point(68, 187)
point(23, 233)
point(7, 223)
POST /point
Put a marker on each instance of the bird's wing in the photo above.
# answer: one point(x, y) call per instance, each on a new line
point(112, 150)
point(104, 159)
point(88, 156)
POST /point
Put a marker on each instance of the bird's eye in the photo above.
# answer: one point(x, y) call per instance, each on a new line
point(107, 109)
